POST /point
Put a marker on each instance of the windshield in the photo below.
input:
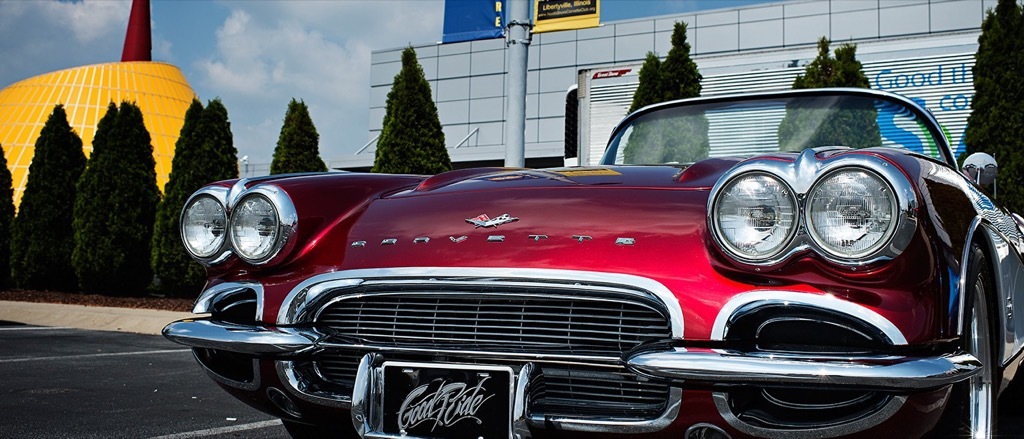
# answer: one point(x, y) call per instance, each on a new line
point(689, 131)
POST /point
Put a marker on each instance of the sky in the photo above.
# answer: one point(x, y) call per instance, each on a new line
point(256, 55)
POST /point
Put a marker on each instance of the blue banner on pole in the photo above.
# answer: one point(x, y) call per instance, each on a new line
point(467, 20)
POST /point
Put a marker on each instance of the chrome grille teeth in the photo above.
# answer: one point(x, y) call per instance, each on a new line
point(516, 324)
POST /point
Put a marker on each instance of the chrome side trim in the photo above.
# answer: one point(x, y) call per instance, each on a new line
point(254, 385)
point(245, 339)
point(802, 175)
point(297, 385)
point(889, 409)
point(305, 298)
point(891, 373)
point(755, 299)
point(209, 298)
point(626, 427)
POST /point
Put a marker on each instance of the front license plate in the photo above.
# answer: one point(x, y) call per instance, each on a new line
point(447, 401)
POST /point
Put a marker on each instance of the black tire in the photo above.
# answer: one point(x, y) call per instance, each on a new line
point(306, 431)
point(973, 405)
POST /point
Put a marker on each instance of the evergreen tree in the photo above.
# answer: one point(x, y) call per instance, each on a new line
point(668, 139)
point(649, 90)
point(6, 217)
point(812, 123)
point(41, 235)
point(411, 141)
point(298, 145)
point(116, 206)
point(179, 274)
point(996, 124)
point(203, 153)
point(217, 158)
point(680, 78)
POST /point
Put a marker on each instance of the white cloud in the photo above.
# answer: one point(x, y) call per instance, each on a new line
point(91, 20)
point(37, 37)
point(269, 52)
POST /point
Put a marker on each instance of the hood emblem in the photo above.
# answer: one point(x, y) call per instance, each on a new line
point(485, 221)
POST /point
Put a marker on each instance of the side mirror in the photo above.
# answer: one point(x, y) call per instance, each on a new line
point(981, 168)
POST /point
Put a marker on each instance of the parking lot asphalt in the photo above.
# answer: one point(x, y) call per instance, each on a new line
point(62, 378)
point(74, 383)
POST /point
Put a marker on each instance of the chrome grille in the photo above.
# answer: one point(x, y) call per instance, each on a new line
point(508, 323)
point(555, 389)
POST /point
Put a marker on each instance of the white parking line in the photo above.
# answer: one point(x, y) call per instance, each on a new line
point(109, 354)
point(33, 328)
point(222, 430)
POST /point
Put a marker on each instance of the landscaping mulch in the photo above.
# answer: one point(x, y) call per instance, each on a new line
point(146, 302)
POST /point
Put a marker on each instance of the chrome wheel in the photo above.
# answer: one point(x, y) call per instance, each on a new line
point(980, 399)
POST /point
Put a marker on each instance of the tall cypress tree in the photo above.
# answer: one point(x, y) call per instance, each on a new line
point(6, 217)
point(298, 146)
point(996, 124)
point(41, 235)
point(811, 123)
point(668, 140)
point(115, 208)
point(179, 274)
point(217, 158)
point(680, 78)
point(411, 141)
point(649, 90)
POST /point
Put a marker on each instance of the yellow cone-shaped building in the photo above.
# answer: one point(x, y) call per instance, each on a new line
point(159, 89)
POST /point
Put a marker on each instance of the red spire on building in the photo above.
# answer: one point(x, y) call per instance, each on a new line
point(138, 41)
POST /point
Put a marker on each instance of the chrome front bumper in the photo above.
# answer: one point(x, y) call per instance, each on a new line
point(884, 373)
point(243, 339)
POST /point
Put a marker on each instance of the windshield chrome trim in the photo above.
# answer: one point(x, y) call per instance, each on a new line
point(932, 124)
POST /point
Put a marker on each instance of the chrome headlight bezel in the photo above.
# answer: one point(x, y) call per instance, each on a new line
point(802, 176)
point(221, 251)
point(727, 244)
point(284, 231)
point(822, 243)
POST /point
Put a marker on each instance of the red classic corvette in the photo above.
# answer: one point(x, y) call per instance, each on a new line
point(804, 264)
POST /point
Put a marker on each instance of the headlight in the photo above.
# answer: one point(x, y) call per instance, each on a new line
point(255, 228)
point(851, 213)
point(203, 224)
point(754, 216)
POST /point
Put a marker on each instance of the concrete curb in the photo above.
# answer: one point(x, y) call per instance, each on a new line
point(141, 321)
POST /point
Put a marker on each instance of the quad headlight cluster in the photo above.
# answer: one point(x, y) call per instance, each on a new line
point(258, 225)
point(850, 213)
